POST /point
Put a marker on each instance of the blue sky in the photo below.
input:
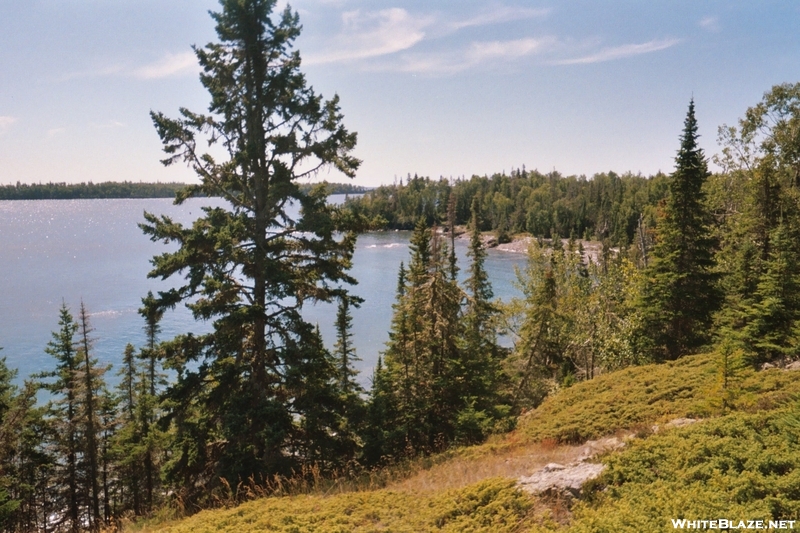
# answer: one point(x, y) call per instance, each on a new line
point(438, 88)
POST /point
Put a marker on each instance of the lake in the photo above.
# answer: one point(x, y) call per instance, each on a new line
point(92, 250)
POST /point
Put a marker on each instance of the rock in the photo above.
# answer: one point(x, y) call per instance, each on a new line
point(794, 365)
point(676, 423)
point(561, 479)
point(767, 366)
point(595, 447)
point(680, 422)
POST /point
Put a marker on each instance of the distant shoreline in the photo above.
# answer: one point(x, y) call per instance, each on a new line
point(123, 190)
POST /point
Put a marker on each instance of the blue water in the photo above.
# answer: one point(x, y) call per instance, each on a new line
point(92, 250)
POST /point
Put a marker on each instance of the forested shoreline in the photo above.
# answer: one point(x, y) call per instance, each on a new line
point(124, 189)
point(692, 262)
point(606, 206)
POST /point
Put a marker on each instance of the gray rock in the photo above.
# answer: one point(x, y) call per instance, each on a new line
point(560, 478)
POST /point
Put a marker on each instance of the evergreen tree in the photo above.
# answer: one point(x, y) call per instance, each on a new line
point(128, 446)
point(65, 416)
point(344, 350)
point(772, 318)
point(92, 385)
point(760, 233)
point(481, 353)
point(241, 404)
point(27, 472)
point(540, 329)
point(680, 293)
point(148, 404)
point(423, 368)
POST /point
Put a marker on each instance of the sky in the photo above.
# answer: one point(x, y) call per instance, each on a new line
point(434, 88)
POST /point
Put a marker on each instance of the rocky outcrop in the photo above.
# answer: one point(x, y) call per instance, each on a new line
point(561, 479)
point(567, 480)
point(784, 364)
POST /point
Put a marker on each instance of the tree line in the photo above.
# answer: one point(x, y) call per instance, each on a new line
point(606, 206)
point(260, 400)
point(124, 189)
point(73, 191)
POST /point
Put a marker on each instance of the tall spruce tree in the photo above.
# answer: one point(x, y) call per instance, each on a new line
point(151, 385)
point(481, 354)
point(128, 445)
point(423, 366)
point(67, 492)
point(240, 404)
point(680, 293)
point(92, 384)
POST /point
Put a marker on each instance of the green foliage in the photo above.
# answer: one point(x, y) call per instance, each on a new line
point(493, 505)
point(69, 191)
point(573, 320)
point(336, 188)
point(423, 362)
point(641, 396)
point(736, 467)
point(604, 206)
point(760, 228)
point(259, 395)
point(438, 379)
point(680, 292)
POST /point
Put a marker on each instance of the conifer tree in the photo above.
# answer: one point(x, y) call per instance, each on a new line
point(772, 317)
point(344, 350)
point(481, 353)
point(760, 251)
point(241, 403)
point(423, 361)
point(539, 325)
point(128, 445)
point(680, 293)
point(148, 404)
point(66, 417)
point(27, 472)
point(92, 384)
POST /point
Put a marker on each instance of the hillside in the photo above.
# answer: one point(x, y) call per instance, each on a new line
point(740, 465)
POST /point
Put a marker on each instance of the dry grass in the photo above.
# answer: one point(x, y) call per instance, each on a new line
point(509, 457)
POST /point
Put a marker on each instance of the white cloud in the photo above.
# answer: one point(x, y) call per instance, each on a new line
point(500, 15)
point(475, 55)
point(481, 51)
point(108, 125)
point(52, 132)
point(169, 65)
point(373, 34)
point(710, 24)
point(619, 52)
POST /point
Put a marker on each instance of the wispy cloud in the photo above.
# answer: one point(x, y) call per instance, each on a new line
point(476, 54)
point(169, 65)
point(108, 125)
point(710, 24)
point(52, 132)
point(492, 50)
point(6, 122)
point(372, 34)
point(619, 52)
point(499, 16)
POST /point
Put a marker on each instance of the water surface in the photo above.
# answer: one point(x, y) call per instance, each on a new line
point(92, 250)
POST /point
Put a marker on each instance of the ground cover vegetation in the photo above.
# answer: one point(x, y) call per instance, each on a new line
point(694, 291)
